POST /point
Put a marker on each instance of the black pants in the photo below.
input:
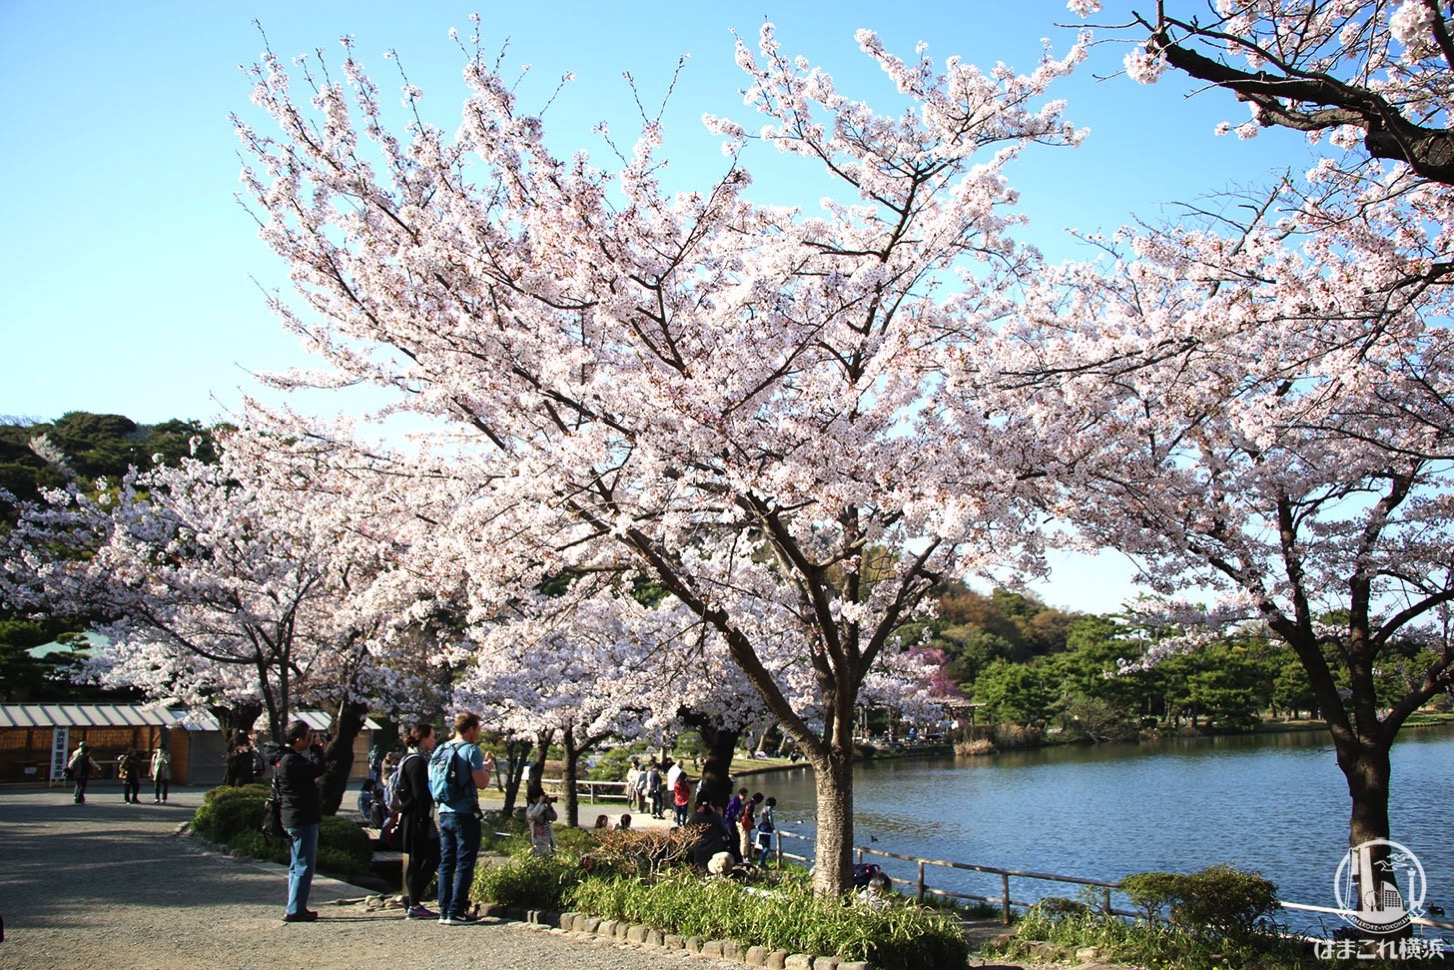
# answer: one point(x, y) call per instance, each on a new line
point(131, 789)
point(421, 861)
point(161, 789)
point(81, 781)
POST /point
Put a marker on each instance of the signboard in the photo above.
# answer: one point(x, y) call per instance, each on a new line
point(58, 749)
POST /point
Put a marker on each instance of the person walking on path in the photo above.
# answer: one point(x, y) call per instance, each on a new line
point(302, 809)
point(81, 766)
point(128, 769)
point(161, 775)
point(417, 831)
point(459, 817)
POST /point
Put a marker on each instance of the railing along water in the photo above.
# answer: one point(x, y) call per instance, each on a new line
point(593, 790)
point(1007, 903)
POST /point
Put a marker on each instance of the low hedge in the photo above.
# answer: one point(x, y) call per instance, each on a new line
point(232, 816)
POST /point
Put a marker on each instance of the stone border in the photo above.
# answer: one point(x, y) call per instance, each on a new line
point(754, 956)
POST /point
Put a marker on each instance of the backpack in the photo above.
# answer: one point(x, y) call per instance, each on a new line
point(446, 784)
point(399, 799)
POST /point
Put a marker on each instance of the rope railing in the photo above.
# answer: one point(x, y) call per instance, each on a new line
point(1007, 903)
point(1004, 900)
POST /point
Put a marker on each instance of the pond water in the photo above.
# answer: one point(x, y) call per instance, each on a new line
point(1273, 803)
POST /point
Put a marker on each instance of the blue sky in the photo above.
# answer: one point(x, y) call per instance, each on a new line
point(130, 275)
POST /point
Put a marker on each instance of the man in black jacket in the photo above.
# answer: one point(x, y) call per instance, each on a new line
point(302, 809)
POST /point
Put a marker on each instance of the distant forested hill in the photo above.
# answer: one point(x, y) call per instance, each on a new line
point(80, 446)
point(76, 447)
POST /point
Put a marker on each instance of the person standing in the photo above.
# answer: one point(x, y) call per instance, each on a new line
point(459, 818)
point(747, 826)
point(542, 834)
point(302, 809)
point(766, 826)
point(633, 775)
point(128, 769)
point(653, 788)
point(161, 775)
point(681, 796)
point(81, 766)
point(418, 834)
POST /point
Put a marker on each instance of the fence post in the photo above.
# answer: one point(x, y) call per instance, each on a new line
point(1005, 886)
point(1106, 900)
point(922, 887)
point(858, 855)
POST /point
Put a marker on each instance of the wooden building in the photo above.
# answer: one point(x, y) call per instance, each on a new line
point(36, 740)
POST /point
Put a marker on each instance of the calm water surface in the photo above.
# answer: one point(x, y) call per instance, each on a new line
point(1275, 803)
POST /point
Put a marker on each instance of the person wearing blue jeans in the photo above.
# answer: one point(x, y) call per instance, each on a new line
point(299, 769)
point(301, 866)
point(459, 817)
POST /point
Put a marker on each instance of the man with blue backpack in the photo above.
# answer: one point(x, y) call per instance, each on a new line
point(456, 774)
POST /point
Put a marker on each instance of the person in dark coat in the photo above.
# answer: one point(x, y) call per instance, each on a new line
point(713, 836)
point(416, 823)
point(298, 771)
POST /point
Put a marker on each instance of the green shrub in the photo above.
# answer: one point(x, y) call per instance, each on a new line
point(232, 816)
point(347, 838)
point(789, 917)
point(1219, 902)
point(226, 811)
point(528, 882)
point(259, 846)
point(574, 841)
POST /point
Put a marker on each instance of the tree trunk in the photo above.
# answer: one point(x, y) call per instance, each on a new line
point(833, 854)
point(568, 773)
point(338, 755)
point(233, 722)
point(533, 782)
point(516, 753)
point(1366, 765)
point(721, 744)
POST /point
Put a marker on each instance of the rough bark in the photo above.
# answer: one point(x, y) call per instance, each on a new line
point(516, 756)
point(570, 769)
point(338, 754)
point(833, 854)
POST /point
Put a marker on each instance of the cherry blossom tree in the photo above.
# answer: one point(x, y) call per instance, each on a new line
point(223, 588)
point(1278, 386)
point(1371, 74)
point(741, 402)
point(1263, 410)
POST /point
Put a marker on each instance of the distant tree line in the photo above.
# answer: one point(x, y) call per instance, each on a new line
point(1033, 669)
point(77, 448)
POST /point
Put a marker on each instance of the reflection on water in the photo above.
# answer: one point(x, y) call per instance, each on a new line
point(1274, 803)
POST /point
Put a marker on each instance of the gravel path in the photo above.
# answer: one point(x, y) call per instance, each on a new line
point(111, 885)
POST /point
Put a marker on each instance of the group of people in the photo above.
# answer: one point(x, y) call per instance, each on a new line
point(131, 767)
point(439, 835)
point(651, 787)
point(740, 834)
point(747, 821)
